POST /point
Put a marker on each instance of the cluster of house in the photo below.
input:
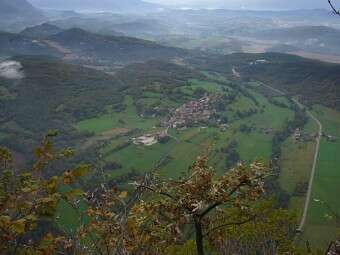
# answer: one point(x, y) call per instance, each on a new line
point(301, 136)
point(150, 139)
point(193, 112)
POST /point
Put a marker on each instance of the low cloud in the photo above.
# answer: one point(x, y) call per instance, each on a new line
point(11, 70)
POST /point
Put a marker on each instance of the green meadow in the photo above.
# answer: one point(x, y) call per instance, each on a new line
point(126, 119)
point(321, 222)
point(174, 157)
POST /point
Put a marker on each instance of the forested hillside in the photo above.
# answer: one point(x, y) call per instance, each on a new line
point(56, 95)
point(17, 44)
point(112, 48)
point(41, 31)
point(18, 9)
point(313, 81)
point(83, 47)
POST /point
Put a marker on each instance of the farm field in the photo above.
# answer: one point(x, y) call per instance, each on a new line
point(321, 222)
point(126, 119)
point(296, 165)
point(175, 156)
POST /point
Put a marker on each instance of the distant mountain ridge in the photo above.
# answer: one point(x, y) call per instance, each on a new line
point(17, 7)
point(16, 13)
point(40, 31)
point(112, 49)
point(103, 5)
point(79, 46)
point(301, 33)
point(319, 39)
point(16, 44)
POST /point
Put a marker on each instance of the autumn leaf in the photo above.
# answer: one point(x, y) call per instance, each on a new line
point(66, 153)
point(68, 178)
point(90, 212)
point(80, 171)
point(38, 152)
point(26, 189)
point(19, 226)
point(75, 193)
point(123, 195)
point(5, 221)
point(52, 133)
point(52, 185)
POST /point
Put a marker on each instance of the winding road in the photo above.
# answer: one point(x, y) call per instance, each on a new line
point(316, 155)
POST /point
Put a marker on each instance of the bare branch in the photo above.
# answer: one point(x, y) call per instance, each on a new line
point(213, 206)
point(155, 191)
point(230, 224)
point(232, 192)
point(333, 8)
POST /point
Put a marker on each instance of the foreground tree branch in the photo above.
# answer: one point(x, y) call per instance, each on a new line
point(197, 199)
point(335, 11)
point(230, 224)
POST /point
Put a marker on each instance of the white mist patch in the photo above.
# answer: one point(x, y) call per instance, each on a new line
point(11, 70)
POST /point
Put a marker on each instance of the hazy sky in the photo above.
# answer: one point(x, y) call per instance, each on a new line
point(247, 4)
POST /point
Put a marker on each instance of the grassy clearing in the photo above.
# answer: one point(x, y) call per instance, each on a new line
point(140, 158)
point(296, 163)
point(126, 119)
point(283, 100)
point(242, 104)
point(215, 76)
point(272, 115)
point(211, 87)
point(255, 145)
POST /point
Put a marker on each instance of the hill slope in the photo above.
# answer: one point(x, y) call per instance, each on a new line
point(114, 49)
point(41, 31)
point(16, 13)
point(16, 8)
point(54, 94)
point(315, 82)
point(17, 44)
